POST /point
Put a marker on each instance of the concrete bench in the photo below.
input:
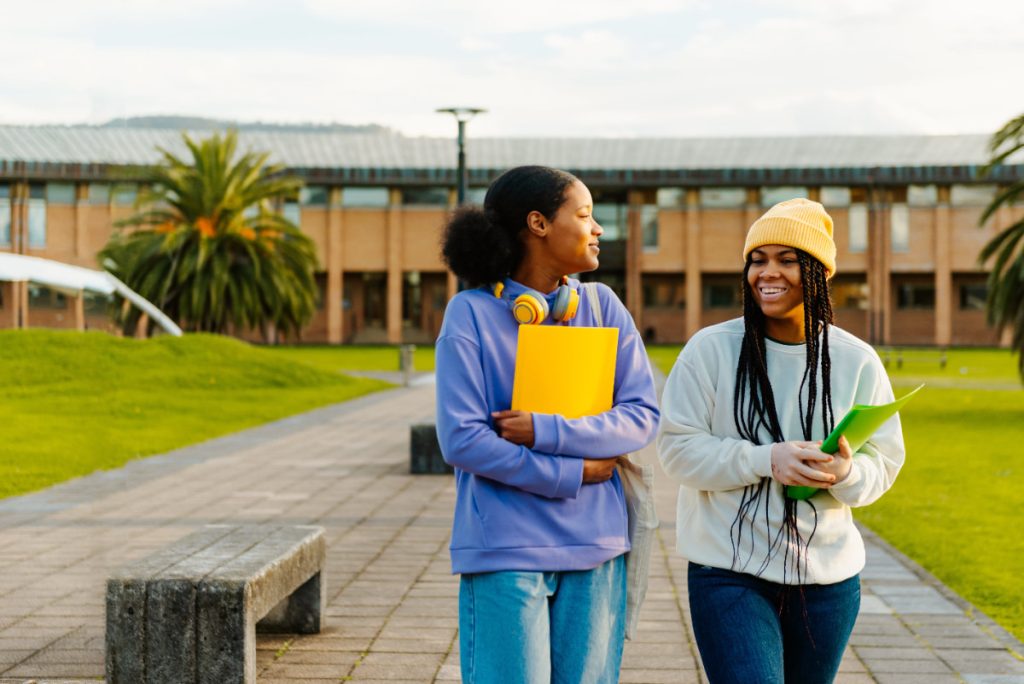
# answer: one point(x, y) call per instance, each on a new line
point(187, 613)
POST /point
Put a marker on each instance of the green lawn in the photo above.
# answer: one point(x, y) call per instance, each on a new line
point(337, 359)
point(957, 502)
point(74, 403)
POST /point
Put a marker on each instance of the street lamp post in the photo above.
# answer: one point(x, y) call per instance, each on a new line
point(462, 115)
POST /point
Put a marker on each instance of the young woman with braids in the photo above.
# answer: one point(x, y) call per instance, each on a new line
point(539, 530)
point(773, 581)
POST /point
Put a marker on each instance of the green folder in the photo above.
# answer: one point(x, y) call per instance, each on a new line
point(858, 425)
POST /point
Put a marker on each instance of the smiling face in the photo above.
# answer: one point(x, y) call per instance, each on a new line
point(774, 277)
point(573, 235)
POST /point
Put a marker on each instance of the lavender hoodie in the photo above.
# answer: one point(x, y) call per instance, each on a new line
point(518, 508)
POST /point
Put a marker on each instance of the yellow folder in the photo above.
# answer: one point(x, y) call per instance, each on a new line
point(565, 370)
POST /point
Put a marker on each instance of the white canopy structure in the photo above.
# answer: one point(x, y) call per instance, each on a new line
point(72, 280)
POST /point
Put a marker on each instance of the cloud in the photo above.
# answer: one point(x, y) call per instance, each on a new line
point(574, 68)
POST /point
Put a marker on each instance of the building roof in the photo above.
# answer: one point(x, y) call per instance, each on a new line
point(41, 151)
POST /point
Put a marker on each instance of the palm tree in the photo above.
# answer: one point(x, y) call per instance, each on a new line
point(1005, 304)
point(208, 248)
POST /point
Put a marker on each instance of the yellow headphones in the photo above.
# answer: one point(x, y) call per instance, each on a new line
point(531, 307)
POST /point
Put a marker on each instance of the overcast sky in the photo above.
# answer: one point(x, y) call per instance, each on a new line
point(632, 68)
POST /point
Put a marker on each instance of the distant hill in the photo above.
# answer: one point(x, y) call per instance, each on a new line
point(198, 123)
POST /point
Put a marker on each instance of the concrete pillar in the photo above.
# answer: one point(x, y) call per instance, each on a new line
point(9, 297)
point(335, 282)
point(19, 217)
point(694, 292)
point(394, 268)
point(943, 271)
point(886, 269)
point(634, 249)
point(21, 305)
point(879, 287)
point(76, 310)
point(81, 220)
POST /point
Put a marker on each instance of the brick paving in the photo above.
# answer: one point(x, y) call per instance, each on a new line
point(391, 612)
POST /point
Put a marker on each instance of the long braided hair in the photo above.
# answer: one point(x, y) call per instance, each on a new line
point(754, 411)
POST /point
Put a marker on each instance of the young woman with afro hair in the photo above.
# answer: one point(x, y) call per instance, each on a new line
point(539, 528)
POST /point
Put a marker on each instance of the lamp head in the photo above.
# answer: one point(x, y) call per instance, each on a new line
point(462, 113)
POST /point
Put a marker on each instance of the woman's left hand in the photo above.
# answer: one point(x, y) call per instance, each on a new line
point(841, 463)
point(515, 426)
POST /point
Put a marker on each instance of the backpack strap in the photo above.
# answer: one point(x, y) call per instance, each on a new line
point(595, 303)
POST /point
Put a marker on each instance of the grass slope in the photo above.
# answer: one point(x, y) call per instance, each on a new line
point(74, 403)
point(356, 357)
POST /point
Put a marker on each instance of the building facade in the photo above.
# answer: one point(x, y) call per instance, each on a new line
point(675, 213)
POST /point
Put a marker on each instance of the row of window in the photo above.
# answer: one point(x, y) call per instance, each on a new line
point(723, 294)
point(709, 197)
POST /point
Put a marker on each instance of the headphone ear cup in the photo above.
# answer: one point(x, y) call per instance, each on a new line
point(567, 300)
point(529, 309)
point(574, 305)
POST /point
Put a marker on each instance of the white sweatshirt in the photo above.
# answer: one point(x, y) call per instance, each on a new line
point(700, 447)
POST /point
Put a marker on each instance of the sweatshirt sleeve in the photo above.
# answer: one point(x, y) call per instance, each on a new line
point(632, 421)
point(467, 437)
point(876, 464)
point(689, 451)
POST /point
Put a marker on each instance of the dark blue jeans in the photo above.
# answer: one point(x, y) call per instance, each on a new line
point(751, 630)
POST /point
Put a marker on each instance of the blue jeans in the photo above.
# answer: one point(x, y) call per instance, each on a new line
point(540, 627)
point(752, 630)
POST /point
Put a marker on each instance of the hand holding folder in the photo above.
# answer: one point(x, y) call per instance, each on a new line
point(858, 425)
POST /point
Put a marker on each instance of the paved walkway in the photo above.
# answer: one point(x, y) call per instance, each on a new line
point(392, 602)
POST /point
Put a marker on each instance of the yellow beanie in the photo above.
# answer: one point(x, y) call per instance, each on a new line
point(798, 223)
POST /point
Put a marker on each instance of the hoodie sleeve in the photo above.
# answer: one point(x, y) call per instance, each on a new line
point(688, 450)
point(467, 437)
point(631, 423)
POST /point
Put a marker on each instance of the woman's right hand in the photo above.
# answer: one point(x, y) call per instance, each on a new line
point(596, 470)
point(793, 464)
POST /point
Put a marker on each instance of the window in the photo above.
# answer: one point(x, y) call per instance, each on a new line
point(900, 228)
point(476, 195)
point(612, 218)
point(664, 293)
point(649, 226)
point(722, 198)
point(412, 299)
point(832, 196)
point(922, 195)
point(671, 198)
point(60, 193)
point(972, 195)
point(915, 296)
point(292, 212)
point(95, 303)
point(858, 219)
point(849, 295)
point(433, 197)
point(722, 295)
point(313, 195)
point(124, 194)
point(973, 296)
point(772, 196)
point(5, 216)
point(99, 193)
point(40, 297)
point(37, 217)
point(364, 197)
